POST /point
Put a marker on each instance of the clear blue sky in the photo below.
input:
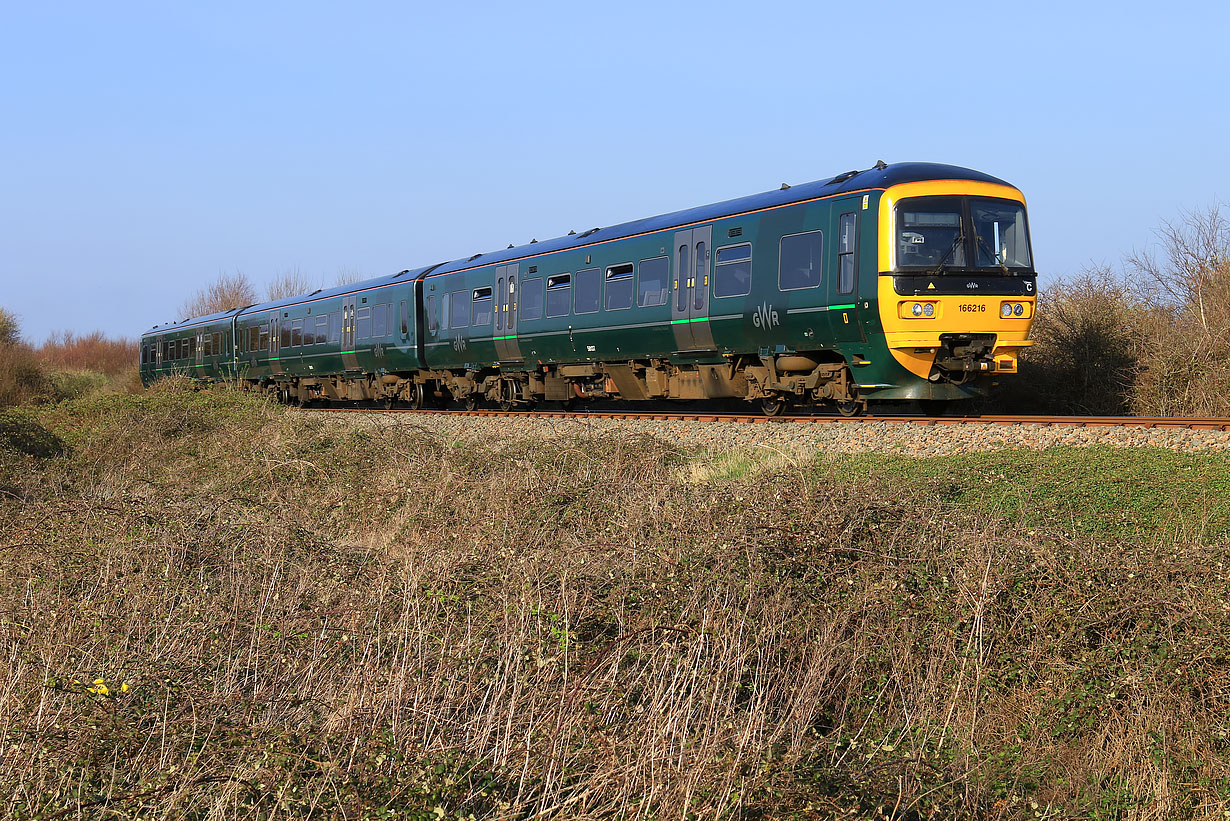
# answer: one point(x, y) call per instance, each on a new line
point(147, 147)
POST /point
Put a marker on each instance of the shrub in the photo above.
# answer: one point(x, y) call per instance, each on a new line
point(21, 378)
point(1085, 349)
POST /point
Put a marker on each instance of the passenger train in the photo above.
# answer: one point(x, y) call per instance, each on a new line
point(910, 281)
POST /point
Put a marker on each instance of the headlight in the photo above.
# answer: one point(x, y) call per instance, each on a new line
point(917, 309)
point(1018, 309)
point(928, 309)
point(1005, 310)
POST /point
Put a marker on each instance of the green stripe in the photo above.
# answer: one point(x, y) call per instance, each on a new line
point(839, 307)
point(498, 338)
point(686, 321)
point(350, 351)
point(275, 359)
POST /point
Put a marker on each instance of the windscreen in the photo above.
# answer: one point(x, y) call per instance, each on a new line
point(940, 235)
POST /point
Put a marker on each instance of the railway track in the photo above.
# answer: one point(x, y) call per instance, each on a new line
point(816, 419)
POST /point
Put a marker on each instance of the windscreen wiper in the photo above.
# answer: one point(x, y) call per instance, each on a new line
point(939, 269)
point(983, 243)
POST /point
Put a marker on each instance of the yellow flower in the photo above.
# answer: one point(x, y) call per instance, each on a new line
point(124, 687)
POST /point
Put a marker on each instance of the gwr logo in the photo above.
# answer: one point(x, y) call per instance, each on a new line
point(765, 316)
point(459, 343)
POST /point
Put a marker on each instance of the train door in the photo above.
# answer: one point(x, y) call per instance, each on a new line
point(844, 309)
point(507, 348)
point(200, 349)
point(350, 358)
point(690, 290)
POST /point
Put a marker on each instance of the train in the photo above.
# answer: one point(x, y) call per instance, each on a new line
point(900, 282)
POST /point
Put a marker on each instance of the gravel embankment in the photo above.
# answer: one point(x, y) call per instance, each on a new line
point(804, 438)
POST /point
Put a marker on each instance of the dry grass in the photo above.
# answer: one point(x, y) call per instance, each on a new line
point(214, 608)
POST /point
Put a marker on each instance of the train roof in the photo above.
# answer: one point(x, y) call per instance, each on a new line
point(878, 177)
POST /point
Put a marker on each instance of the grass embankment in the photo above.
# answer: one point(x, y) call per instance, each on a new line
point(211, 605)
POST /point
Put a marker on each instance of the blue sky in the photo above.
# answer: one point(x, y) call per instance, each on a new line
point(149, 147)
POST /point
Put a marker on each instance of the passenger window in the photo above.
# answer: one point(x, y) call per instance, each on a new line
point(531, 299)
point(732, 275)
point(499, 311)
point(363, 323)
point(192, 347)
point(459, 307)
point(480, 311)
point(559, 295)
point(651, 287)
point(681, 291)
point(588, 291)
point(701, 289)
point(296, 333)
point(264, 337)
point(845, 254)
point(619, 287)
point(379, 324)
point(799, 261)
point(284, 333)
point(322, 329)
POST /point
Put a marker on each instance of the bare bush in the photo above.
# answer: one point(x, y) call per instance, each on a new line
point(1086, 344)
point(1185, 361)
point(10, 328)
point(290, 282)
point(21, 378)
point(89, 352)
point(226, 293)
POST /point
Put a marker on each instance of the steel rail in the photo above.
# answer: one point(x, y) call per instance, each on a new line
point(1176, 422)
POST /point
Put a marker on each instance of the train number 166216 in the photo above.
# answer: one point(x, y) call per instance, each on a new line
point(972, 309)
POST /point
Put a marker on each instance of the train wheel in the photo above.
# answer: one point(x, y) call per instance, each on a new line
point(470, 402)
point(851, 407)
point(417, 397)
point(772, 406)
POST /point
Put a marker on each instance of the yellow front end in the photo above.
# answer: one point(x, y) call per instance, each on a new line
point(913, 324)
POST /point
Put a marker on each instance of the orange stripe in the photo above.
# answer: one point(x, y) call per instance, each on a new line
point(656, 231)
point(548, 253)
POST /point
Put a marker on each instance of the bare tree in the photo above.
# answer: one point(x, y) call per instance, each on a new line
point(227, 292)
point(1191, 275)
point(287, 284)
point(348, 276)
point(1185, 363)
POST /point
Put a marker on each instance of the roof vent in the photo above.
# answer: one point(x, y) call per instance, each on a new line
point(533, 241)
point(842, 177)
point(317, 291)
point(880, 165)
point(785, 187)
point(587, 233)
point(572, 233)
point(476, 256)
point(509, 245)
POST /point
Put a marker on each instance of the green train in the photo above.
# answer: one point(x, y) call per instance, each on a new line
point(910, 281)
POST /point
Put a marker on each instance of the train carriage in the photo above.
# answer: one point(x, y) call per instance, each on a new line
point(908, 281)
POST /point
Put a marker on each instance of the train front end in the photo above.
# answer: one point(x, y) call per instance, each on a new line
point(957, 287)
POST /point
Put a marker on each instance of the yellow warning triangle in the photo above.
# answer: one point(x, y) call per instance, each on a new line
point(930, 286)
